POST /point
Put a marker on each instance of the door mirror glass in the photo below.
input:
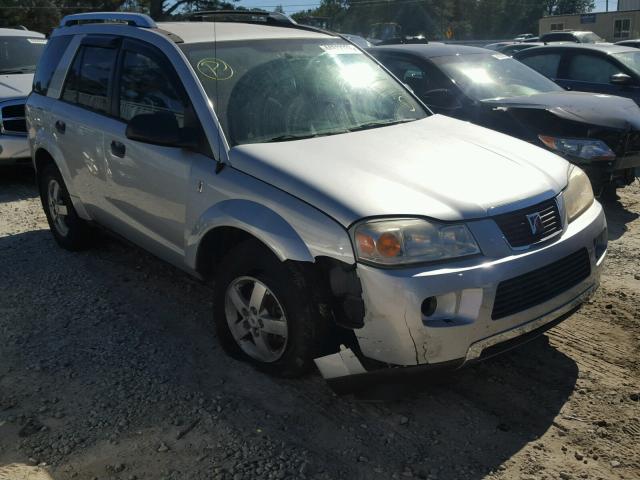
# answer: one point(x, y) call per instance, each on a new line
point(621, 79)
point(159, 128)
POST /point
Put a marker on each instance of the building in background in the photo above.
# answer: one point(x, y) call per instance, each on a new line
point(621, 24)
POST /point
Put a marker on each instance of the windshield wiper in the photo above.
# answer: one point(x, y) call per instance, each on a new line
point(11, 71)
point(291, 136)
point(364, 126)
point(367, 126)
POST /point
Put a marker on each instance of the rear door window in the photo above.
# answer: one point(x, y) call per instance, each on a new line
point(89, 79)
point(590, 68)
point(545, 63)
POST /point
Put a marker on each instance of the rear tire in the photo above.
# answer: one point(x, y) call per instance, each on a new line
point(68, 229)
point(253, 286)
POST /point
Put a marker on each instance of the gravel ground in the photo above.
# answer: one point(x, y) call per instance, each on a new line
point(109, 370)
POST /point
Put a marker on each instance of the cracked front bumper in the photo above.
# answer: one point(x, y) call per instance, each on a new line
point(397, 332)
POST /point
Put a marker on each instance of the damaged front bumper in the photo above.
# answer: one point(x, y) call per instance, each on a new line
point(399, 332)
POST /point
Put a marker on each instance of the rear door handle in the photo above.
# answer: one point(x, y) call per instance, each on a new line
point(60, 126)
point(118, 149)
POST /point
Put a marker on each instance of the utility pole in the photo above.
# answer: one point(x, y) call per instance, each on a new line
point(606, 8)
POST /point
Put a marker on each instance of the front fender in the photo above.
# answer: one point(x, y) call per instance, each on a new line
point(256, 219)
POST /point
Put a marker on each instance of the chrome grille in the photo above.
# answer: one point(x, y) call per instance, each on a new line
point(12, 118)
point(519, 232)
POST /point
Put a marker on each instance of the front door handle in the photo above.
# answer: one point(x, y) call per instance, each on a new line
point(60, 126)
point(118, 149)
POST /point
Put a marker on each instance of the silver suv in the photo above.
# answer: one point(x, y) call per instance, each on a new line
point(20, 51)
point(339, 219)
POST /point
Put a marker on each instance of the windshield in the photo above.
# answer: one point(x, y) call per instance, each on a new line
point(278, 90)
point(20, 54)
point(589, 37)
point(631, 60)
point(493, 76)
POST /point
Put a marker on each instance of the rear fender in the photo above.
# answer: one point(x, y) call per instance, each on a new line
point(43, 141)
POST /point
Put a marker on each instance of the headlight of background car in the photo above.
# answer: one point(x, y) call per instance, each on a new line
point(588, 149)
point(402, 241)
point(578, 196)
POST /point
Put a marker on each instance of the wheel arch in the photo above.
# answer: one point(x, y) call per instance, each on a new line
point(43, 156)
point(337, 282)
point(216, 243)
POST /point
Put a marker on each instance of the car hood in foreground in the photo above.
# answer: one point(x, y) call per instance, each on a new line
point(437, 167)
point(594, 109)
point(15, 86)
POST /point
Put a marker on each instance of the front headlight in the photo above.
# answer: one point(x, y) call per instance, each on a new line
point(579, 147)
point(578, 196)
point(408, 240)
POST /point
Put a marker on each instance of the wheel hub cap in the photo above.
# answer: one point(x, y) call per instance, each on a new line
point(57, 208)
point(256, 319)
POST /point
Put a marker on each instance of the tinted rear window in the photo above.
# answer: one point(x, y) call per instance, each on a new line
point(558, 37)
point(48, 63)
point(89, 77)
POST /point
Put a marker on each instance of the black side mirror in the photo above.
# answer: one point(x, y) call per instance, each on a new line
point(160, 128)
point(620, 79)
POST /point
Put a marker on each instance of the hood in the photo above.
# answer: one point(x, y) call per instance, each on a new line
point(15, 86)
point(595, 109)
point(437, 167)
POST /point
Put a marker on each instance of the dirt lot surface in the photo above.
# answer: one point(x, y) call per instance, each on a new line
point(109, 370)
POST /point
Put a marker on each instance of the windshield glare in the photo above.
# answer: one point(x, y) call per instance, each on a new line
point(631, 60)
point(494, 76)
point(589, 38)
point(277, 90)
point(20, 54)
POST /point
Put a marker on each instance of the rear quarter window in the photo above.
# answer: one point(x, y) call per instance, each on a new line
point(49, 62)
point(544, 63)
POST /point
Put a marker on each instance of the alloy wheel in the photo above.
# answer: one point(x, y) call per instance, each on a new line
point(256, 319)
point(57, 208)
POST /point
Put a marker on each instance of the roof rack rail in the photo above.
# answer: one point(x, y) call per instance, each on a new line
point(133, 19)
point(243, 16)
point(259, 17)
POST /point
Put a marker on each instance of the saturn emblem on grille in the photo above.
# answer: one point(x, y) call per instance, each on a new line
point(535, 222)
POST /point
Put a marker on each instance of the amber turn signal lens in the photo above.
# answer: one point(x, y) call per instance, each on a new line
point(388, 245)
point(366, 244)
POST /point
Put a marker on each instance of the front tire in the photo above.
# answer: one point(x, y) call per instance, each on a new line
point(265, 312)
point(68, 229)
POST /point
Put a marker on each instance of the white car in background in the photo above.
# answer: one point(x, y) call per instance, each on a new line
point(20, 51)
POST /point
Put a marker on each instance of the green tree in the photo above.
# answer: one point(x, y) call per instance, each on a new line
point(567, 7)
point(43, 15)
point(162, 9)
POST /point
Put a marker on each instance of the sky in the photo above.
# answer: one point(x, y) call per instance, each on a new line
point(293, 6)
